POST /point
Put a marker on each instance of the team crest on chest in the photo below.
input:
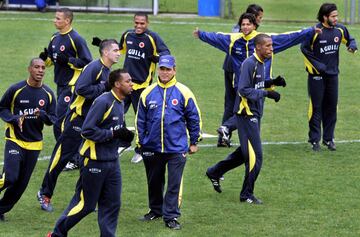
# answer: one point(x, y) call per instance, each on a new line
point(62, 48)
point(175, 102)
point(141, 44)
point(336, 39)
point(67, 99)
point(41, 102)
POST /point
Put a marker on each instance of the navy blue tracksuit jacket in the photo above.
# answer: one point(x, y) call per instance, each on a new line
point(22, 148)
point(74, 47)
point(100, 177)
point(88, 87)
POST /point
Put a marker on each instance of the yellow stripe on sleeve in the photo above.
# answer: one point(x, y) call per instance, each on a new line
point(75, 77)
point(14, 97)
point(310, 68)
point(78, 104)
point(187, 93)
point(343, 40)
point(107, 113)
point(123, 50)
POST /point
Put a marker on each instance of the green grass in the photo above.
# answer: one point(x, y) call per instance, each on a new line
point(279, 10)
point(104, 3)
point(286, 10)
point(305, 193)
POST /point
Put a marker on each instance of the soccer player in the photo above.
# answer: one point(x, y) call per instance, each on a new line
point(250, 103)
point(100, 176)
point(68, 52)
point(257, 11)
point(230, 91)
point(92, 82)
point(321, 53)
point(167, 112)
point(142, 48)
point(25, 107)
point(241, 45)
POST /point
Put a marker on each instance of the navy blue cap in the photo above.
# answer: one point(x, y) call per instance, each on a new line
point(167, 61)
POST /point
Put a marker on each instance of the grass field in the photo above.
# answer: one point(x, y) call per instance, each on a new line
point(274, 10)
point(305, 193)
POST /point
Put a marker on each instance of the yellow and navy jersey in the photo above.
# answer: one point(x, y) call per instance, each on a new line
point(241, 46)
point(166, 113)
point(105, 115)
point(89, 85)
point(72, 45)
point(321, 51)
point(20, 99)
point(251, 93)
point(139, 50)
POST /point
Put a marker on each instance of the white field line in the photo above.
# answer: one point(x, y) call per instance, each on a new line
point(234, 145)
point(205, 135)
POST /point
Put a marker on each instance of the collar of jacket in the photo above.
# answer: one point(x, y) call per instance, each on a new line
point(103, 63)
point(258, 58)
point(116, 97)
point(170, 83)
point(146, 32)
point(329, 27)
point(251, 35)
point(67, 31)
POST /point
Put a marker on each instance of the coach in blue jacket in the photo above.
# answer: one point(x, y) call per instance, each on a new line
point(167, 111)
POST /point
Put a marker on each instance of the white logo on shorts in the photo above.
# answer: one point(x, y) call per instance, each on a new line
point(148, 153)
point(14, 152)
point(94, 170)
point(254, 120)
point(76, 128)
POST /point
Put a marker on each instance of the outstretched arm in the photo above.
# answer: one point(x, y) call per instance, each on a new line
point(220, 41)
point(287, 40)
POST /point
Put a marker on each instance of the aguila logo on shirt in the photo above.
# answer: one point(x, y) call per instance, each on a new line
point(141, 45)
point(336, 39)
point(174, 102)
point(62, 48)
point(67, 99)
point(41, 102)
